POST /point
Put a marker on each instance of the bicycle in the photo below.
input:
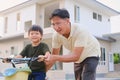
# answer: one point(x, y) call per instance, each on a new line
point(20, 73)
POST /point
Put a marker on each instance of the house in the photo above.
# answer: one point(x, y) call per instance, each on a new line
point(94, 16)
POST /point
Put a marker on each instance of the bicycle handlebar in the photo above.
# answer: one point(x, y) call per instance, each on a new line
point(19, 60)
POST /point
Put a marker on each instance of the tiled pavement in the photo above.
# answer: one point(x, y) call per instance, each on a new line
point(1, 78)
point(71, 77)
point(108, 79)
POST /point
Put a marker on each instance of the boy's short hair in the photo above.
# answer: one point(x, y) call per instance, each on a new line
point(62, 13)
point(36, 28)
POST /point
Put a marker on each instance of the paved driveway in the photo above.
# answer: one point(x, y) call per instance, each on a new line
point(108, 79)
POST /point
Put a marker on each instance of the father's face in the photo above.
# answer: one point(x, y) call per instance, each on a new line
point(59, 24)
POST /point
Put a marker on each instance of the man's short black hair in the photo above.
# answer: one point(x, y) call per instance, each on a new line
point(62, 13)
point(36, 28)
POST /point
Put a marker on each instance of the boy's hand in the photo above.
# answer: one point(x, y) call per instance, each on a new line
point(5, 60)
point(41, 58)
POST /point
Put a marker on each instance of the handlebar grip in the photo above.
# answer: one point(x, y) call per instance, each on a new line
point(5, 60)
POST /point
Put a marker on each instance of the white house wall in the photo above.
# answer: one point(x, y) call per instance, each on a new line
point(38, 16)
point(94, 26)
point(26, 14)
point(11, 23)
point(43, 19)
point(86, 18)
point(6, 45)
point(107, 46)
point(1, 24)
point(115, 46)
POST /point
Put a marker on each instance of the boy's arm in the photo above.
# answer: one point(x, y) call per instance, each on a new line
point(18, 56)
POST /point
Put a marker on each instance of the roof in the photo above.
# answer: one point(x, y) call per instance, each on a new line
point(12, 36)
point(90, 3)
point(115, 36)
point(108, 39)
point(22, 5)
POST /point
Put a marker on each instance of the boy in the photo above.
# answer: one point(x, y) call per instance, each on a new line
point(36, 49)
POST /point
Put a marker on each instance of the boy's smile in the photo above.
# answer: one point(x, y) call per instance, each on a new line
point(35, 37)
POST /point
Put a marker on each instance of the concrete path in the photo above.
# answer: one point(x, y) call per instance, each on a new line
point(1, 78)
point(108, 79)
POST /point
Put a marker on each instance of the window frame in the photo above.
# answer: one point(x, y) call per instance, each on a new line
point(77, 13)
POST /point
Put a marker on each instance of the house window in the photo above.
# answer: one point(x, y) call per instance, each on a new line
point(14, 50)
point(28, 24)
point(94, 15)
point(18, 22)
point(77, 13)
point(103, 56)
point(108, 20)
point(6, 23)
point(97, 16)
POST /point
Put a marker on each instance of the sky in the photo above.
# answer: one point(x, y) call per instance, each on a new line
point(115, 4)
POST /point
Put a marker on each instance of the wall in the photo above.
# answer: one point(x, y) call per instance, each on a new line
point(86, 17)
point(26, 14)
point(115, 46)
point(107, 46)
point(1, 24)
point(94, 26)
point(7, 44)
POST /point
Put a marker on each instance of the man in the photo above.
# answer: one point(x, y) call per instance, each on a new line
point(84, 48)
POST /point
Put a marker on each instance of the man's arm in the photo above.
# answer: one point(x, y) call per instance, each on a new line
point(71, 57)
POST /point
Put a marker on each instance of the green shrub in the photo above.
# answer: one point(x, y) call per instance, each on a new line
point(116, 58)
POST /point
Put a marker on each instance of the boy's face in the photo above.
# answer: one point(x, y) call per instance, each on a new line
point(35, 36)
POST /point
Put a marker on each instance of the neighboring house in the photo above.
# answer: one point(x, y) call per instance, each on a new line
point(94, 16)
